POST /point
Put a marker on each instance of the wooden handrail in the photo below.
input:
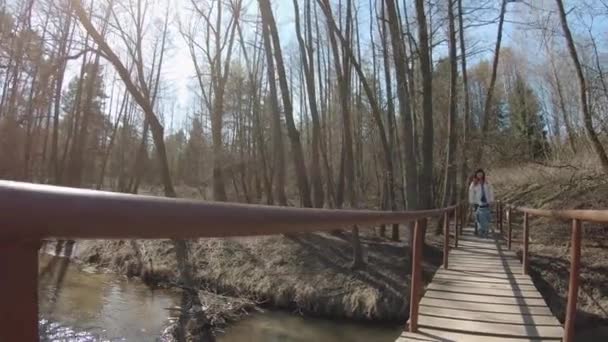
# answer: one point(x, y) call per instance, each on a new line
point(39, 211)
point(31, 212)
point(577, 217)
point(597, 216)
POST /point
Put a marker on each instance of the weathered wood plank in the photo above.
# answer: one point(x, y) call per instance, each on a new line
point(485, 307)
point(507, 291)
point(479, 285)
point(481, 279)
point(483, 297)
point(504, 329)
point(437, 335)
point(464, 274)
point(489, 317)
point(461, 297)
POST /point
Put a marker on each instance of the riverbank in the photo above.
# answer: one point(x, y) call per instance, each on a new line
point(568, 186)
point(63, 269)
point(307, 274)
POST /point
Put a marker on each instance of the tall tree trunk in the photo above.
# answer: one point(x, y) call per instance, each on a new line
point(563, 109)
point(307, 57)
point(292, 131)
point(63, 48)
point(403, 93)
point(277, 134)
point(76, 159)
point(347, 164)
point(450, 170)
point(73, 124)
point(467, 109)
point(389, 178)
point(426, 176)
point(586, 113)
point(106, 156)
point(489, 97)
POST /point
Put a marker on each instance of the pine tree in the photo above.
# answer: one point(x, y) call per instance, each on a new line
point(526, 120)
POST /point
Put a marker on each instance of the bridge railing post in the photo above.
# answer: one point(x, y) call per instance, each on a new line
point(525, 244)
point(19, 290)
point(575, 264)
point(446, 238)
point(499, 217)
point(509, 228)
point(416, 280)
point(457, 221)
point(474, 220)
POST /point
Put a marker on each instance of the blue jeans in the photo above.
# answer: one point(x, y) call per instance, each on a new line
point(483, 217)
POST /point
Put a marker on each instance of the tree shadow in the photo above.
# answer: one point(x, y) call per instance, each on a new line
point(387, 268)
point(557, 299)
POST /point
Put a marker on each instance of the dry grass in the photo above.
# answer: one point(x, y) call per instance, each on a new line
point(308, 274)
point(574, 184)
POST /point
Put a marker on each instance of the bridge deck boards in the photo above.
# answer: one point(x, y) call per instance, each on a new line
point(483, 296)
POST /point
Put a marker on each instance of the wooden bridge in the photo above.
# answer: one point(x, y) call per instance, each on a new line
point(478, 295)
point(483, 296)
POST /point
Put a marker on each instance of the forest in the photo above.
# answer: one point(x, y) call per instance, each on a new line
point(375, 104)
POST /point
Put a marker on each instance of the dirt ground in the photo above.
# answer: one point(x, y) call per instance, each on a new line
point(563, 188)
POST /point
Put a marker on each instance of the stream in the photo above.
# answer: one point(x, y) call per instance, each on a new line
point(91, 306)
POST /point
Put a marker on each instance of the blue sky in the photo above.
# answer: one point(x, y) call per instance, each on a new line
point(179, 68)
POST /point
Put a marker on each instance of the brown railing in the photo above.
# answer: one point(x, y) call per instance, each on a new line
point(577, 217)
point(30, 213)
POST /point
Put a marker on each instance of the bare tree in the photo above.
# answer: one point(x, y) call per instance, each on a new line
point(400, 61)
point(217, 47)
point(425, 192)
point(292, 131)
point(277, 135)
point(586, 113)
point(142, 97)
point(466, 124)
point(450, 170)
point(488, 102)
point(307, 58)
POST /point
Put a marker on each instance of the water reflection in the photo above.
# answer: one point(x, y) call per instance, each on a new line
point(113, 306)
point(282, 327)
point(105, 307)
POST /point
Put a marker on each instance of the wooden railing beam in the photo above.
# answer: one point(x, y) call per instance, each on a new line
point(88, 214)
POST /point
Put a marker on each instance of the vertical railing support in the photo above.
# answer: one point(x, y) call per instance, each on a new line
point(499, 217)
point(525, 244)
point(464, 218)
point(474, 220)
point(446, 238)
point(575, 264)
point(457, 221)
point(416, 282)
point(509, 228)
point(19, 290)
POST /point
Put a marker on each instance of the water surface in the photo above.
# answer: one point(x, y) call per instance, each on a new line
point(90, 306)
point(103, 304)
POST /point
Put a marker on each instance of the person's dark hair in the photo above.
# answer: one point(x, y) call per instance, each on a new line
point(475, 175)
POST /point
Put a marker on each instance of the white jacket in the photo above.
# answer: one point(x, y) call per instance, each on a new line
point(475, 193)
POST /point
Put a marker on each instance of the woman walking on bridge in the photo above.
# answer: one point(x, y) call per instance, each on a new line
point(481, 196)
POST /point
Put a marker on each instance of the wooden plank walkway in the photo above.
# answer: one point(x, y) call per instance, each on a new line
point(484, 297)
